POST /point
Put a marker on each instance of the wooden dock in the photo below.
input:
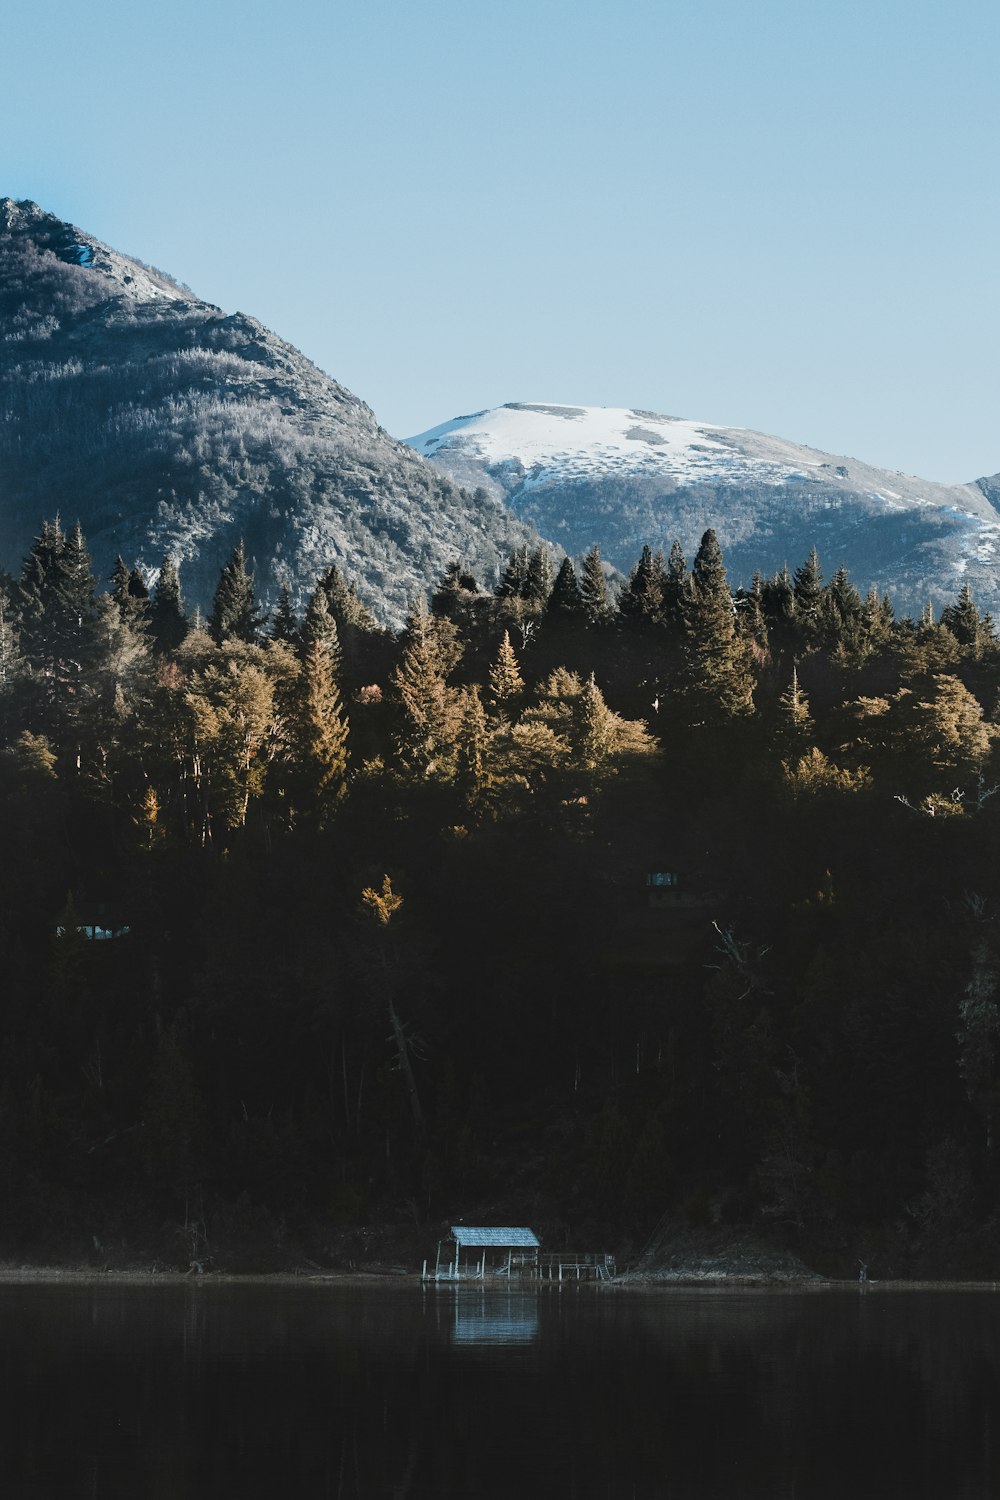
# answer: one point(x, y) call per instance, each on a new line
point(569, 1265)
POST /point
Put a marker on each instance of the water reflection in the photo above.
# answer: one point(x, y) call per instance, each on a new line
point(323, 1391)
point(490, 1318)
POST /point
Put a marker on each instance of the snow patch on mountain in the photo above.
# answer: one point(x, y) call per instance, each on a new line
point(623, 476)
point(552, 442)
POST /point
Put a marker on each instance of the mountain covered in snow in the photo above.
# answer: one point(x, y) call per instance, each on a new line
point(623, 478)
point(165, 425)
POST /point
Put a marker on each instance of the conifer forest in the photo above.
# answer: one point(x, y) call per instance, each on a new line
point(593, 907)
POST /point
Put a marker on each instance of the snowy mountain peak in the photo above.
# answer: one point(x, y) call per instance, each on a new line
point(550, 437)
point(624, 476)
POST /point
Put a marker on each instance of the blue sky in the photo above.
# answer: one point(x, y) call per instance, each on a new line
point(769, 214)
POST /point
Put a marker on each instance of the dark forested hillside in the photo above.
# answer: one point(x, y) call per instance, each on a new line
point(681, 910)
point(168, 427)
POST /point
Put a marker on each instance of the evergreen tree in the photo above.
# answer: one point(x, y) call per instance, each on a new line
point(716, 679)
point(565, 601)
point(538, 581)
point(876, 621)
point(284, 626)
point(58, 598)
point(11, 660)
point(676, 590)
point(808, 592)
point(119, 581)
point(166, 615)
point(451, 595)
point(750, 620)
point(39, 607)
point(778, 601)
point(129, 593)
point(642, 598)
point(794, 725)
point(474, 750)
point(57, 595)
point(840, 614)
point(432, 708)
point(514, 579)
point(597, 727)
point(594, 588)
point(346, 607)
point(318, 734)
point(320, 627)
point(234, 610)
point(120, 647)
point(949, 728)
point(963, 620)
point(506, 682)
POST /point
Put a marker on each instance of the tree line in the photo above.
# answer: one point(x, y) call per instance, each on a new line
point(386, 945)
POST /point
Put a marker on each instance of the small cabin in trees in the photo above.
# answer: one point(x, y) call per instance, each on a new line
point(666, 891)
point(662, 924)
point(94, 920)
point(663, 888)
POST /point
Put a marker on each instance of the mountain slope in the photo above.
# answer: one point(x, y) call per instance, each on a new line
point(624, 477)
point(164, 425)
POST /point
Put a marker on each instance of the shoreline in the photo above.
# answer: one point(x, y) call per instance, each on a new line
point(642, 1282)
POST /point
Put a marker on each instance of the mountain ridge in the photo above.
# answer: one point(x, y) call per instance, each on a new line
point(169, 426)
point(624, 477)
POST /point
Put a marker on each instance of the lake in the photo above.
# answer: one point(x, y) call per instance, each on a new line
point(217, 1390)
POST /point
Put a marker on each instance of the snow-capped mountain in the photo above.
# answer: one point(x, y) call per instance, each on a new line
point(164, 425)
point(623, 478)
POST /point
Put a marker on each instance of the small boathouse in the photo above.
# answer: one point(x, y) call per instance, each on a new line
point(470, 1252)
point(473, 1252)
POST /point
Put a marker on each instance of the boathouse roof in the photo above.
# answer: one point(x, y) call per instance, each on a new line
point(478, 1238)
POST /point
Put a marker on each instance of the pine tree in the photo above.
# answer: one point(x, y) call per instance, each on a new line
point(963, 620)
point(119, 581)
point(284, 626)
point(474, 749)
point(794, 726)
point(750, 621)
point(71, 604)
point(11, 660)
point(676, 590)
point(597, 727)
point(318, 734)
point(716, 679)
point(594, 588)
point(506, 682)
point(778, 600)
point(876, 621)
point(166, 615)
point(951, 730)
point(642, 598)
point(808, 591)
point(234, 610)
point(452, 592)
point(345, 606)
point(120, 648)
point(129, 593)
point(538, 582)
point(514, 579)
point(565, 601)
point(840, 614)
point(38, 606)
point(320, 627)
point(57, 596)
point(432, 708)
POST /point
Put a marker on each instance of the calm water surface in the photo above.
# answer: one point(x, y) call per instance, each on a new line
point(253, 1391)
